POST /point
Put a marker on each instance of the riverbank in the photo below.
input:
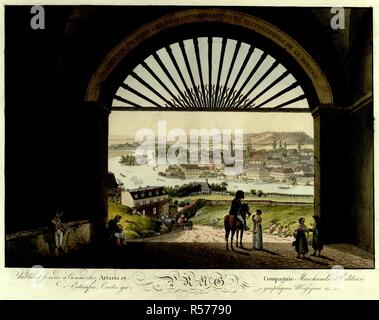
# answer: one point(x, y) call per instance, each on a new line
point(141, 176)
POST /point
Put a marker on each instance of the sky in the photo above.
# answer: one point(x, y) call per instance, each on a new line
point(124, 123)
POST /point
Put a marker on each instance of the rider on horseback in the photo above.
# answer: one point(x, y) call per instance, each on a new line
point(237, 208)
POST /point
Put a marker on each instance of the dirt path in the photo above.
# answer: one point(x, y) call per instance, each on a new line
point(204, 248)
point(208, 234)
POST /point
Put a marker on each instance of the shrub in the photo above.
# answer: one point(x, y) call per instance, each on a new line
point(130, 234)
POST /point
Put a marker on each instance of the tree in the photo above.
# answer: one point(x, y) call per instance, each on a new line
point(253, 192)
point(129, 160)
point(184, 190)
point(260, 193)
point(218, 187)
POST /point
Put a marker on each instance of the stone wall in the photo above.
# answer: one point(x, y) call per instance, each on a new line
point(361, 130)
point(362, 178)
point(38, 244)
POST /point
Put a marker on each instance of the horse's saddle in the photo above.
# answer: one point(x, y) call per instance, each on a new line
point(237, 222)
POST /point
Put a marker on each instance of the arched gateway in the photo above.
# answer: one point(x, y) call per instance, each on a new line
point(197, 87)
point(97, 59)
point(252, 27)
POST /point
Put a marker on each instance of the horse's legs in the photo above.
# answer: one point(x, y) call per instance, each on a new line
point(227, 238)
point(231, 239)
point(241, 236)
point(237, 234)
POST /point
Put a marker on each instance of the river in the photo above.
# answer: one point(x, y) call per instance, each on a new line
point(142, 176)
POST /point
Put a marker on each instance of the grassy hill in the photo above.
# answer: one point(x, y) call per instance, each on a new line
point(265, 138)
point(284, 215)
point(135, 226)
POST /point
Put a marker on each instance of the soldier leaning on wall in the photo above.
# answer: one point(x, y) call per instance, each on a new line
point(60, 229)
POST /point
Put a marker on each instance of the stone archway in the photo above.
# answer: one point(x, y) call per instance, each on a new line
point(129, 43)
point(320, 106)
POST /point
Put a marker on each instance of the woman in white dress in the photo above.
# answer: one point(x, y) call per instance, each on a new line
point(257, 231)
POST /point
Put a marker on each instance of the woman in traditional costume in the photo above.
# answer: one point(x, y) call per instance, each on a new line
point(300, 234)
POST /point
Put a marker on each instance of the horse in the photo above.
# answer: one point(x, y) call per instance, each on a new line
point(233, 225)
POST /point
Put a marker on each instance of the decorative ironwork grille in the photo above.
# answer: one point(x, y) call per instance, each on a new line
point(210, 74)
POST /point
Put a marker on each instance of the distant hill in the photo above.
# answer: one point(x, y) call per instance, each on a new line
point(261, 138)
point(122, 146)
point(268, 137)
